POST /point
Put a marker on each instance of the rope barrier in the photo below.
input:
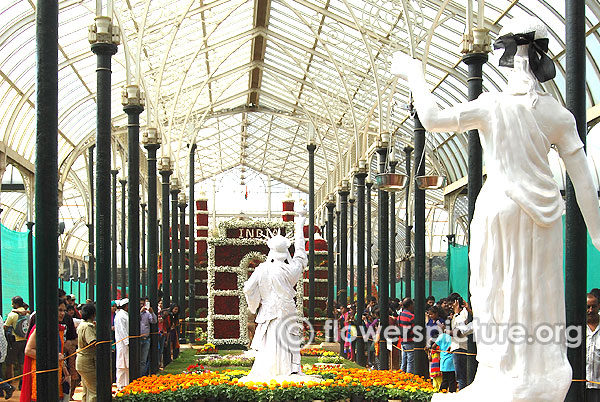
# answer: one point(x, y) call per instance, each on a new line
point(96, 343)
point(93, 344)
point(445, 351)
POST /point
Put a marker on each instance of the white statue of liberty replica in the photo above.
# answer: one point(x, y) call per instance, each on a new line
point(516, 248)
point(270, 289)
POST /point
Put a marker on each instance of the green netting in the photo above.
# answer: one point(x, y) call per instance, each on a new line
point(15, 278)
point(458, 259)
point(593, 262)
point(457, 263)
point(79, 289)
point(438, 288)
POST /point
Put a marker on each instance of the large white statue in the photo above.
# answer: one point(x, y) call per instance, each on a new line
point(270, 289)
point(516, 249)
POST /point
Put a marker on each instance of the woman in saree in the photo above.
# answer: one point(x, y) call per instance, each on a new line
point(29, 389)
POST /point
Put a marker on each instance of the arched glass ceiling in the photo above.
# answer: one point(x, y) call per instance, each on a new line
point(244, 193)
point(255, 73)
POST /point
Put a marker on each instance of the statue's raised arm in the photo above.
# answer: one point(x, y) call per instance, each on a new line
point(432, 117)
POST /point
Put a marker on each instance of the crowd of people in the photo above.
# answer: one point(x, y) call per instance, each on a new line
point(447, 362)
point(77, 345)
point(448, 323)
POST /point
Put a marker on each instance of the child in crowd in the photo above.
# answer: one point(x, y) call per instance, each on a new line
point(442, 344)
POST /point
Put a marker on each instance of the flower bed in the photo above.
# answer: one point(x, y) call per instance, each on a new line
point(200, 334)
point(208, 348)
point(317, 352)
point(331, 359)
point(325, 366)
point(337, 385)
point(226, 360)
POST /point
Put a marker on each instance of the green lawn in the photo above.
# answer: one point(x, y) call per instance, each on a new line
point(188, 356)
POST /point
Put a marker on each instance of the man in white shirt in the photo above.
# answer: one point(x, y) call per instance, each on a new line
point(592, 371)
point(461, 327)
point(122, 339)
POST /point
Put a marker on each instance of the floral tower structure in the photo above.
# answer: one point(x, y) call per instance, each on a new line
point(201, 259)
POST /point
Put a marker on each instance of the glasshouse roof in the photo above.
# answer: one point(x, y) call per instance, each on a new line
point(244, 80)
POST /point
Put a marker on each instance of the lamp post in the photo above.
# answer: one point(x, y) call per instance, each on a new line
point(421, 364)
point(360, 263)
point(123, 182)
point(104, 38)
point(175, 239)
point(30, 267)
point(151, 141)
point(575, 232)
point(114, 235)
point(343, 194)
point(351, 202)
point(330, 275)
point(392, 234)
point(311, 146)
point(338, 261)
point(338, 272)
point(144, 278)
point(476, 46)
point(165, 172)
point(369, 241)
point(91, 273)
point(133, 102)
point(46, 196)
point(407, 230)
point(383, 246)
point(192, 249)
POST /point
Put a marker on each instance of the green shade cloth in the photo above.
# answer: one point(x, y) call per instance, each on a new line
point(457, 262)
point(15, 277)
point(458, 267)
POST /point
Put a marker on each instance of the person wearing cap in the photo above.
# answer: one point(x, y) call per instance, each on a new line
point(147, 317)
point(277, 336)
point(113, 349)
point(122, 339)
point(71, 302)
